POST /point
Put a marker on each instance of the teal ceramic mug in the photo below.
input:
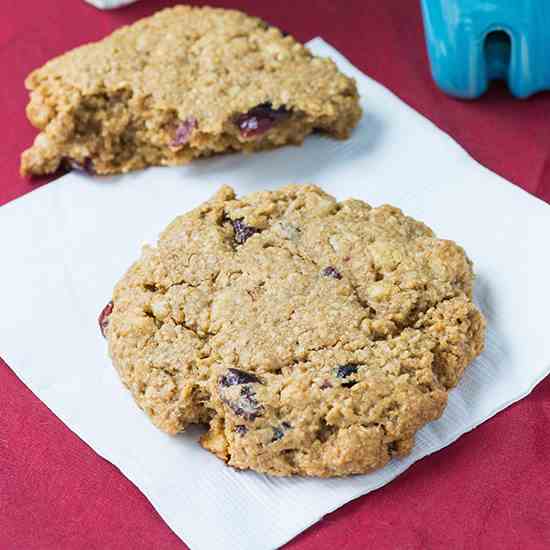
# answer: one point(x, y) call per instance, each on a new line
point(471, 42)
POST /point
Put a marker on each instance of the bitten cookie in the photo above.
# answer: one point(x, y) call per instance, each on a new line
point(313, 337)
point(188, 82)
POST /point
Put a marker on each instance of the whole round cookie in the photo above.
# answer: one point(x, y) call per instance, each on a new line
point(314, 337)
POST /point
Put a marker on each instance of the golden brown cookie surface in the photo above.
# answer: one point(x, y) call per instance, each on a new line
point(184, 83)
point(314, 337)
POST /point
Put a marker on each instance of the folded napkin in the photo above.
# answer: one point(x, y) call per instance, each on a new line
point(67, 243)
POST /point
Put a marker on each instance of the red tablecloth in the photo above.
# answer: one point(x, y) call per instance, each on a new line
point(490, 489)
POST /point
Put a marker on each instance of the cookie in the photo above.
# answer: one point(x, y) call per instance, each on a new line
point(313, 337)
point(187, 82)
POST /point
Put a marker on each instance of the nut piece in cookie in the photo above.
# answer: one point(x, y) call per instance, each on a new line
point(187, 82)
point(312, 337)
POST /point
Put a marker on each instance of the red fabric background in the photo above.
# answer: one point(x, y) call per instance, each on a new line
point(490, 489)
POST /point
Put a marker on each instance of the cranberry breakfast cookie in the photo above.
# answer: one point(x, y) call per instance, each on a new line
point(188, 82)
point(314, 337)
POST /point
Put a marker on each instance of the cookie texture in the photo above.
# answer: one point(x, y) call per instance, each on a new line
point(313, 337)
point(187, 82)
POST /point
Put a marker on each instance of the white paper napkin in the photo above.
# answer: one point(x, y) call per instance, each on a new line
point(66, 244)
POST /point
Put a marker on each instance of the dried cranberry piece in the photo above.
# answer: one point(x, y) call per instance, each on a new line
point(87, 166)
point(103, 318)
point(279, 431)
point(344, 371)
point(246, 404)
point(242, 231)
point(241, 401)
point(241, 430)
point(331, 272)
point(260, 119)
point(234, 377)
point(184, 131)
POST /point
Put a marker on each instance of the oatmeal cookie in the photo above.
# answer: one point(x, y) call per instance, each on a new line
point(187, 82)
point(313, 337)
